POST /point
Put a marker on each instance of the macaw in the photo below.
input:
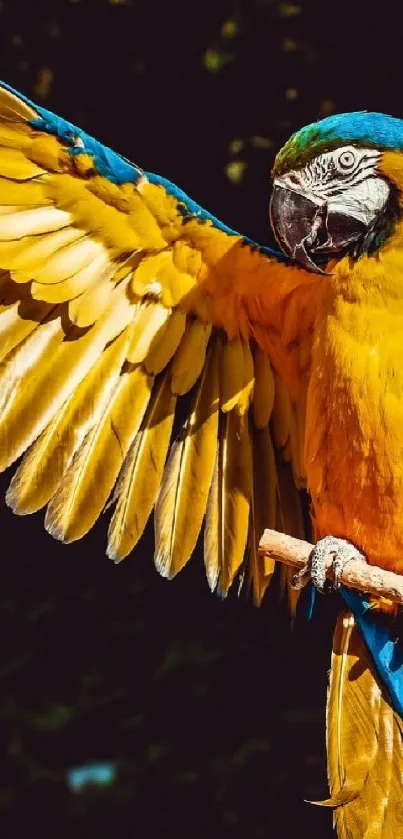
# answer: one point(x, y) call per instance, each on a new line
point(122, 299)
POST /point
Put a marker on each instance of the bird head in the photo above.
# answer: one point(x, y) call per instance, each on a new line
point(336, 187)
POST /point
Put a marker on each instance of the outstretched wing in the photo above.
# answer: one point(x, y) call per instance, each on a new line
point(119, 295)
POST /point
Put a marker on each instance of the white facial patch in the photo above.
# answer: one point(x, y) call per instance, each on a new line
point(346, 180)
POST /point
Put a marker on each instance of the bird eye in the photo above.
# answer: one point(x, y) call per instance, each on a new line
point(346, 160)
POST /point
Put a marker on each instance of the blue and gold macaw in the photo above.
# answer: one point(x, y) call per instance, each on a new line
point(120, 296)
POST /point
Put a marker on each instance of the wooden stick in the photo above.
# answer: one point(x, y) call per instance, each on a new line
point(357, 573)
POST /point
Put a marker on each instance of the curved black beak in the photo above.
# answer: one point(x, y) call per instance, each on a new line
point(305, 229)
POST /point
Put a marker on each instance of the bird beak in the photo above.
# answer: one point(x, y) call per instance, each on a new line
point(306, 229)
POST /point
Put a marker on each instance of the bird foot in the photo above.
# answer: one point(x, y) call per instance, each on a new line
point(328, 552)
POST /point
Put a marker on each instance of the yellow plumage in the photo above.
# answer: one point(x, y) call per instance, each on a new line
point(90, 278)
point(189, 360)
point(232, 374)
point(14, 109)
point(60, 363)
point(88, 307)
point(263, 394)
point(187, 477)
point(18, 367)
point(28, 194)
point(148, 327)
point(364, 742)
point(90, 478)
point(264, 508)
point(44, 465)
point(32, 222)
point(18, 320)
point(227, 517)
point(31, 253)
point(281, 413)
point(141, 475)
point(68, 260)
point(165, 343)
point(15, 165)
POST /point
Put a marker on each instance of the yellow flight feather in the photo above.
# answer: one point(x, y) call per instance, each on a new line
point(91, 476)
point(20, 364)
point(227, 516)
point(213, 533)
point(89, 306)
point(14, 109)
point(17, 136)
point(189, 359)
point(232, 373)
point(281, 419)
point(364, 743)
point(14, 164)
point(74, 286)
point(40, 385)
point(44, 465)
point(69, 260)
point(289, 520)
point(30, 254)
point(149, 324)
point(23, 194)
point(32, 222)
point(141, 475)
point(246, 394)
point(263, 394)
point(182, 500)
point(261, 569)
point(18, 320)
point(166, 342)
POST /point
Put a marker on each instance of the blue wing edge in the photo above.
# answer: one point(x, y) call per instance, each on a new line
point(119, 170)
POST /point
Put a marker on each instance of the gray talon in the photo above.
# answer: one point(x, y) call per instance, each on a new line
point(339, 550)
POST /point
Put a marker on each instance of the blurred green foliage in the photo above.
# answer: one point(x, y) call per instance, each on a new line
point(213, 712)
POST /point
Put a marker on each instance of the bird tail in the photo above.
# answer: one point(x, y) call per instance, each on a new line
point(364, 741)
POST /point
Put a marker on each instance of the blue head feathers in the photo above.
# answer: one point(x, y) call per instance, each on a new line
point(362, 128)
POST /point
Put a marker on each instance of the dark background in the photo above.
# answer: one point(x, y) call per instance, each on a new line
point(212, 713)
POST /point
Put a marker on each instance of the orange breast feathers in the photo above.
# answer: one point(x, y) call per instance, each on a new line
point(354, 431)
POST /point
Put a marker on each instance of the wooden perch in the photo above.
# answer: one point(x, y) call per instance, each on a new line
point(357, 574)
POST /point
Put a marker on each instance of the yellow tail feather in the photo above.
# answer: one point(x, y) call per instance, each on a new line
point(364, 743)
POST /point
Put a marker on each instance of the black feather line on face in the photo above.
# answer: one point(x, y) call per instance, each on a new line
point(382, 227)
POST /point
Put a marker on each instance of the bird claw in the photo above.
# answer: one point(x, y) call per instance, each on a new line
point(329, 551)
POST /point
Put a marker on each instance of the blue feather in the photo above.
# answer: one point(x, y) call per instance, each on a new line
point(386, 650)
point(380, 130)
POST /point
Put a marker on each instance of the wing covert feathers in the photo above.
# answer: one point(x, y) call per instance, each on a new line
point(109, 314)
point(364, 743)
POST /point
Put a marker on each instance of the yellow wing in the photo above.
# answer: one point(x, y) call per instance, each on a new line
point(119, 296)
